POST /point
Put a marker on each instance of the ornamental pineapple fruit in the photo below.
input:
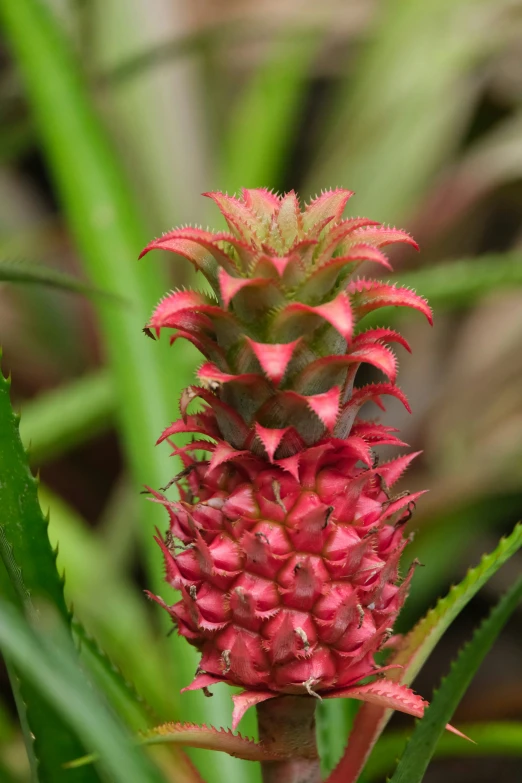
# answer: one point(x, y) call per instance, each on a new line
point(286, 540)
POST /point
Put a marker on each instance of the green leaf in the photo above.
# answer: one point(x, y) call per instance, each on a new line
point(46, 658)
point(108, 601)
point(121, 693)
point(420, 642)
point(30, 564)
point(22, 715)
point(413, 652)
point(416, 757)
point(22, 271)
point(334, 722)
point(24, 542)
point(6, 776)
point(490, 739)
point(123, 696)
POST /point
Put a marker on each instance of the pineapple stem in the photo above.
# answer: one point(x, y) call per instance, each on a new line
point(287, 724)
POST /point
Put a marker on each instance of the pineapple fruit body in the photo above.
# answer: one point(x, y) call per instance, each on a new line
point(285, 542)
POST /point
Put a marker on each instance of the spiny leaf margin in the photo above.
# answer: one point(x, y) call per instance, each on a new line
point(420, 748)
point(30, 566)
point(203, 737)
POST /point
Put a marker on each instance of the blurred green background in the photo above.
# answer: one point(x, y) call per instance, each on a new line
point(114, 116)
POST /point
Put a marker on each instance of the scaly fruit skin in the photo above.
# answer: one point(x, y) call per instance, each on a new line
point(286, 540)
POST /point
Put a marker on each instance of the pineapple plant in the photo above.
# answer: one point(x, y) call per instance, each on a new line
point(286, 540)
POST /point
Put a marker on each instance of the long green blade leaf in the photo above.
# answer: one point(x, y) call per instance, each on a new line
point(30, 564)
point(121, 693)
point(125, 699)
point(47, 660)
point(24, 542)
point(107, 601)
point(415, 649)
point(415, 759)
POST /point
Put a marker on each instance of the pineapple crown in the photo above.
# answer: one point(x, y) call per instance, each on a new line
point(280, 329)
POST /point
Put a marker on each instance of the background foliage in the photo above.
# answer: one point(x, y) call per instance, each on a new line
point(115, 116)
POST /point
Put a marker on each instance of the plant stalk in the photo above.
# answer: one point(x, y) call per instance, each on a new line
point(287, 725)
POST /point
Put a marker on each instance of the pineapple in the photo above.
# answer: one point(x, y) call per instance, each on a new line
point(286, 540)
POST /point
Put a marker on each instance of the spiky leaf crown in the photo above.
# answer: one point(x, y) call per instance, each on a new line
point(281, 331)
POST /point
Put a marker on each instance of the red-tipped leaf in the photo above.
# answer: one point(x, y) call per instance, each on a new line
point(274, 358)
point(368, 295)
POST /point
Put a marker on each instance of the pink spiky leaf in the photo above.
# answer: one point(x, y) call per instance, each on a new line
point(272, 266)
point(380, 695)
point(229, 286)
point(192, 447)
point(210, 372)
point(193, 736)
point(270, 438)
point(288, 269)
point(390, 695)
point(368, 295)
point(381, 334)
point(224, 413)
point(371, 391)
point(261, 200)
point(337, 312)
point(204, 344)
point(380, 236)
point(200, 247)
point(324, 276)
point(359, 252)
point(192, 311)
point(401, 503)
point(274, 358)
point(325, 370)
point(329, 206)
point(386, 693)
point(224, 452)
point(392, 471)
point(289, 218)
point(337, 237)
point(290, 464)
point(199, 256)
point(243, 702)
point(240, 218)
point(326, 406)
point(201, 423)
point(359, 448)
point(175, 303)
